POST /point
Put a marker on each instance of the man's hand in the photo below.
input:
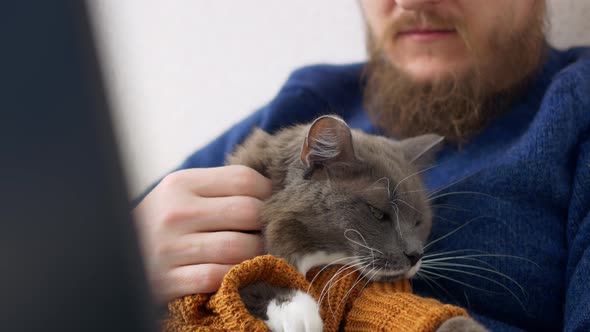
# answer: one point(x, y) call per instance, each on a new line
point(190, 224)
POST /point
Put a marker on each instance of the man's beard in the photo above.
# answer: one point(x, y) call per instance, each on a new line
point(455, 106)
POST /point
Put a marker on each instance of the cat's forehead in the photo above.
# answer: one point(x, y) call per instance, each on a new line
point(369, 189)
point(381, 184)
point(381, 157)
point(389, 166)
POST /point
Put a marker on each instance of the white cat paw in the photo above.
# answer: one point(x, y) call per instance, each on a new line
point(301, 313)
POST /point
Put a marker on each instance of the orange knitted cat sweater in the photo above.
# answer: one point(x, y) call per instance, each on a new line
point(374, 307)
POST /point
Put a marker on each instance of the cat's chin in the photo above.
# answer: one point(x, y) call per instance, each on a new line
point(394, 275)
point(387, 276)
point(413, 270)
point(388, 279)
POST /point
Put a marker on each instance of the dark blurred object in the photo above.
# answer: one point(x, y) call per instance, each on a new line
point(68, 253)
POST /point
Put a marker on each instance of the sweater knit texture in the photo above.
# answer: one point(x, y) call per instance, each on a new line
point(351, 305)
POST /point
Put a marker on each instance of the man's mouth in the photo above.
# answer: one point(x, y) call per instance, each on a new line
point(426, 34)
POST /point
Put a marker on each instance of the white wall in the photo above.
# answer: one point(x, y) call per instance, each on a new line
point(182, 71)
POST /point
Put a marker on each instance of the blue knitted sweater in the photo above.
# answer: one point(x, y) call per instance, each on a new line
point(520, 190)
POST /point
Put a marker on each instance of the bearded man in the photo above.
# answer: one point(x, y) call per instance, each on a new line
point(511, 187)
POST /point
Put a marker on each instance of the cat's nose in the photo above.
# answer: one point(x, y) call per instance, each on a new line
point(413, 256)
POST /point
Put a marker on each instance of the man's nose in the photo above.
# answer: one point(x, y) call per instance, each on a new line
point(417, 4)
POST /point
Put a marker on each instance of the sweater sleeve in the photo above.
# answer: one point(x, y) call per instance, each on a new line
point(577, 302)
point(577, 277)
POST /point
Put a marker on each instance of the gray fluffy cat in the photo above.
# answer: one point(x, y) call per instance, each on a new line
point(343, 196)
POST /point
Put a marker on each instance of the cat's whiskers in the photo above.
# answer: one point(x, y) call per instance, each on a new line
point(431, 195)
point(373, 186)
point(413, 174)
point(352, 265)
point(426, 259)
point(375, 273)
point(404, 219)
point(456, 264)
point(367, 276)
point(397, 223)
point(449, 207)
point(454, 251)
point(352, 258)
point(366, 245)
point(387, 186)
point(442, 276)
point(359, 279)
point(332, 286)
point(456, 261)
point(428, 245)
point(434, 193)
point(344, 267)
point(421, 276)
point(412, 191)
point(324, 291)
point(332, 280)
point(439, 189)
point(428, 280)
point(430, 268)
point(438, 263)
point(442, 266)
point(429, 198)
point(408, 204)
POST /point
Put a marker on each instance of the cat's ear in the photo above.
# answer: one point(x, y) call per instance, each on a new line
point(328, 140)
point(421, 150)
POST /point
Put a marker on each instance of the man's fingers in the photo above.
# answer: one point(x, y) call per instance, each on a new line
point(191, 279)
point(233, 180)
point(216, 247)
point(236, 213)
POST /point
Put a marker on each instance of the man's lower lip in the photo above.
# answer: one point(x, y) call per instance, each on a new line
point(430, 35)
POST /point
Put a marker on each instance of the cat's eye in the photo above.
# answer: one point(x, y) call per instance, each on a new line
point(378, 214)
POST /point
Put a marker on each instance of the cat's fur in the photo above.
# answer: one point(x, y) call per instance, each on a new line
point(338, 194)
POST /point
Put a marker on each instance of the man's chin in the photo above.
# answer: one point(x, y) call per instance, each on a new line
point(430, 71)
point(415, 101)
